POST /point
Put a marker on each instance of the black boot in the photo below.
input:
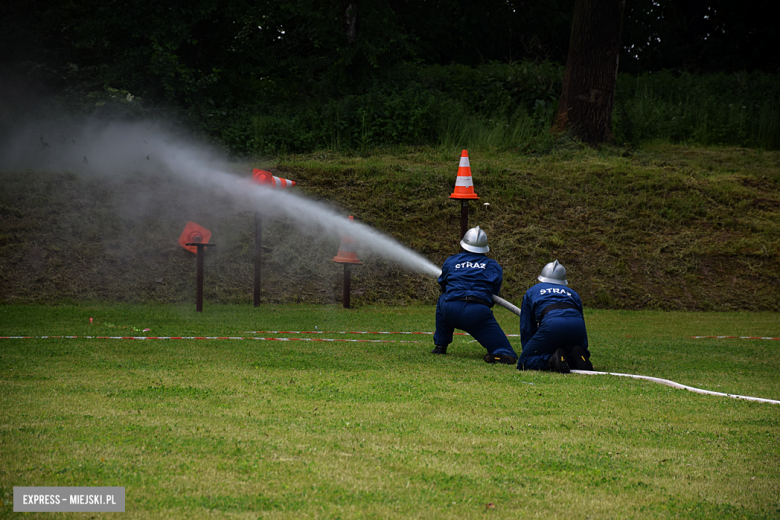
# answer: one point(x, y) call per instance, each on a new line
point(439, 349)
point(500, 358)
point(557, 362)
point(579, 360)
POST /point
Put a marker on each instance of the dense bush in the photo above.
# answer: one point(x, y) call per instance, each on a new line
point(500, 105)
point(736, 109)
point(494, 104)
point(504, 106)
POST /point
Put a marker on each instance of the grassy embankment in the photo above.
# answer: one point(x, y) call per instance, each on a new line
point(269, 429)
point(663, 227)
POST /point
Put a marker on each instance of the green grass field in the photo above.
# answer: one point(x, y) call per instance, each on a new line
point(315, 429)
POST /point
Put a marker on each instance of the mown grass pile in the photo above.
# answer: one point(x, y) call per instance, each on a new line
point(304, 429)
point(663, 227)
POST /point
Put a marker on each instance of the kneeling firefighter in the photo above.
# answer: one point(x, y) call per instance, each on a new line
point(552, 326)
point(468, 282)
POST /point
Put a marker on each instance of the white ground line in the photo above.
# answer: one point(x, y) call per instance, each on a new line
point(733, 337)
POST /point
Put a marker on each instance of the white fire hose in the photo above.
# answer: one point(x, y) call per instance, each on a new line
point(505, 304)
point(676, 385)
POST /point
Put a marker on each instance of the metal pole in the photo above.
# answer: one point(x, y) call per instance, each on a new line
point(258, 254)
point(347, 283)
point(199, 282)
point(199, 276)
point(464, 217)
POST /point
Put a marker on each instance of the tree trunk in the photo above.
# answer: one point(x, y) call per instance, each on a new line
point(585, 106)
point(350, 20)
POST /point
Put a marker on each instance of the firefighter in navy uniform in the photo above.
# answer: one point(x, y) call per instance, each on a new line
point(552, 326)
point(468, 282)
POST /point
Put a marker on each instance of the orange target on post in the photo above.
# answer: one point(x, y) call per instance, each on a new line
point(193, 233)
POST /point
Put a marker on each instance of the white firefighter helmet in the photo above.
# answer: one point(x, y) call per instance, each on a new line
point(553, 273)
point(475, 241)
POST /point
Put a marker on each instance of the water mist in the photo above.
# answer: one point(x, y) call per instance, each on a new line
point(115, 149)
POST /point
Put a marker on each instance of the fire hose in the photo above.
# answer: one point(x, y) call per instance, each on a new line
point(505, 304)
point(667, 382)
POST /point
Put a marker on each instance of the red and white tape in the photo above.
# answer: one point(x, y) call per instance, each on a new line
point(352, 332)
point(137, 338)
point(332, 332)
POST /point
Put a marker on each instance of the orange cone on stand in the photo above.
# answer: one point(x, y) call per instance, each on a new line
point(347, 253)
point(194, 233)
point(269, 179)
point(464, 186)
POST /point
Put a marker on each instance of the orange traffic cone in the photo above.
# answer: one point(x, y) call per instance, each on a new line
point(464, 186)
point(194, 233)
point(268, 179)
point(347, 253)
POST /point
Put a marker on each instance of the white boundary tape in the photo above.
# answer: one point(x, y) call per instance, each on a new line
point(675, 385)
point(732, 337)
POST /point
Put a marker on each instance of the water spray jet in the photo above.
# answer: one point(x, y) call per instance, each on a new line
point(148, 148)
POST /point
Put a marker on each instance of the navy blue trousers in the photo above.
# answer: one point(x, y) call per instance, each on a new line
point(474, 318)
point(554, 333)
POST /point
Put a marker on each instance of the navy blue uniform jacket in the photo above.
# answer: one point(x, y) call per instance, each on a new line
point(537, 298)
point(470, 274)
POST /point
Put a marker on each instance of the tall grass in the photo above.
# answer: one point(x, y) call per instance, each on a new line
point(723, 109)
point(495, 105)
point(475, 131)
point(506, 107)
